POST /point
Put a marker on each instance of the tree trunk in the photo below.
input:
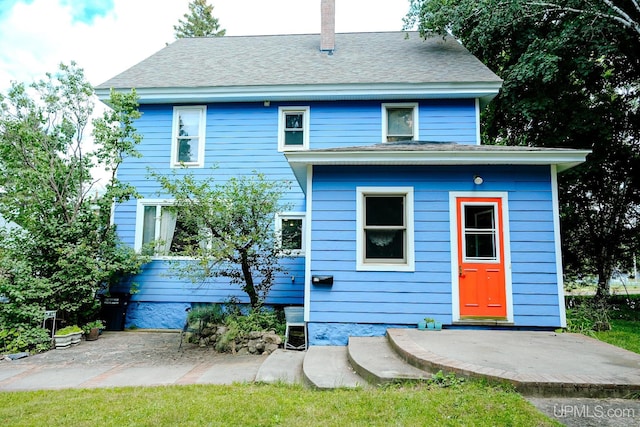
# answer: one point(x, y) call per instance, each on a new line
point(249, 287)
point(603, 290)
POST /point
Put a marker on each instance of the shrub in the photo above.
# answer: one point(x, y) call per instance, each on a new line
point(32, 340)
point(211, 313)
point(257, 319)
point(586, 315)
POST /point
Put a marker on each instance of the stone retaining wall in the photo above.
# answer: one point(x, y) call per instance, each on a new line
point(265, 342)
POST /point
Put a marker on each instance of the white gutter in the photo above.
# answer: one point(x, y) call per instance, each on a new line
point(485, 91)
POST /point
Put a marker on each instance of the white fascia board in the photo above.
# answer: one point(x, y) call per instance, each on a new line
point(563, 160)
point(482, 90)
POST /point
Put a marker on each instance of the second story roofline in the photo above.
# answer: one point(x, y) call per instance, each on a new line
point(425, 153)
point(485, 91)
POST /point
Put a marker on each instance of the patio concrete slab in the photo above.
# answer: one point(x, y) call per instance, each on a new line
point(539, 363)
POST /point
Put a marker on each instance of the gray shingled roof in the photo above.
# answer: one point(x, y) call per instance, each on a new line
point(427, 153)
point(431, 146)
point(359, 58)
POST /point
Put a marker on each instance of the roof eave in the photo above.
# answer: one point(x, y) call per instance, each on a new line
point(485, 91)
point(298, 160)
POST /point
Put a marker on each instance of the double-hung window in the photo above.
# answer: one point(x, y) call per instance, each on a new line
point(162, 231)
point(293, 128)
point(385, 240)
point(290, 229)
point(188, 136)
point(400, 122)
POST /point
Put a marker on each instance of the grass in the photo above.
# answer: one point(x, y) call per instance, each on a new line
point(623, 333)
point(471, 403)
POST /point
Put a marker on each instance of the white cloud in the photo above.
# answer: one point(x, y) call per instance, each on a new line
point(36, 37)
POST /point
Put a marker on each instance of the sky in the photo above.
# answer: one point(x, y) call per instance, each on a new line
point(105, 37)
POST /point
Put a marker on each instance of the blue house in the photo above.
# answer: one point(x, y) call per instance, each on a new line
point(403, 214)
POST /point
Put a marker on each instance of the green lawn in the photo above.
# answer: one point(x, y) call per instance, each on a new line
point(472, 404)
point(623, 333)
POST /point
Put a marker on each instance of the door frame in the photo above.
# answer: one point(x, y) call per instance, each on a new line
point(453, 226)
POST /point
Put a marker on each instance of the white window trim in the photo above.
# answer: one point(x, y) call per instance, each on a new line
point(291, 215)
point(305, 127)
point(137, 246)
point(385, 124)
point(202, 109)
point(496, 259)
point(407, 193)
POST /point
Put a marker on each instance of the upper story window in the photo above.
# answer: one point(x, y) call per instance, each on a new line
point(188, 137)
point(385, 239)
point(293, 128)
point(162, 231)
point(290, 229)
point(400, 122)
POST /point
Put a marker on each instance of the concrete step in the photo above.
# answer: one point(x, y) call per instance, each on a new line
point(327, 367)
point(374, 360)
point(282, 366)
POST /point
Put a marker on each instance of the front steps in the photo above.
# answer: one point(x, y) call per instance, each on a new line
point(374, 359)
point(327, 367)
point(364, 362)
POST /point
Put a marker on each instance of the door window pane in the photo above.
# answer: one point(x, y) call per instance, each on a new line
point(480, 232)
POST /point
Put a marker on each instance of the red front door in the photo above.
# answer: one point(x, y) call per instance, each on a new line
point(481, 275)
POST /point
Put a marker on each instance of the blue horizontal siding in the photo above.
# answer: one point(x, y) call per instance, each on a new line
point(359, 122)
point(158, 283)
point(403, 297)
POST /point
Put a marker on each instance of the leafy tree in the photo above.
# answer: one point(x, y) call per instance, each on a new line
point(63, 247)
point(571, 73)
point(200, 22)
point(233, 226)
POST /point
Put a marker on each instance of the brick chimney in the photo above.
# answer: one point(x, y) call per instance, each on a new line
point(328, 25)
